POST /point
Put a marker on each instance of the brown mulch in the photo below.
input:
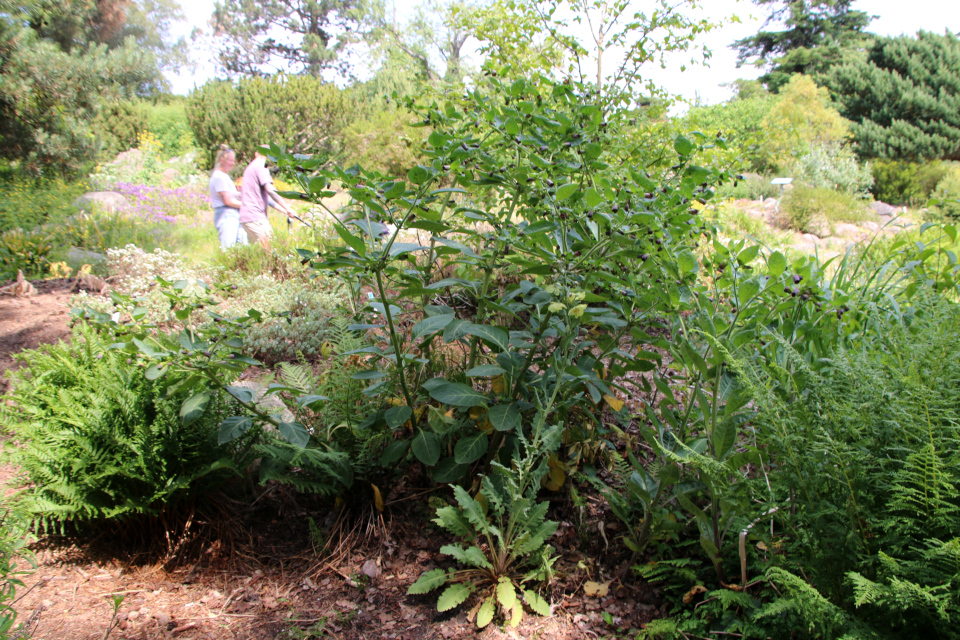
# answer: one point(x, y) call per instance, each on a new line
point(26, 323)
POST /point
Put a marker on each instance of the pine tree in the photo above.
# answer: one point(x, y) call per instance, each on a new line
point(904, 98)
point(818, 34)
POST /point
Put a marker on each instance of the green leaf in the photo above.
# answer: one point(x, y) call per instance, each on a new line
point(506, 593)
point(396, 416)
point(458, 395)
point(683, 146)
point(724, 437)
point(155, 371)
point(398, 189)
point(749, 254)
point(485, 371)
point(567, 190)
point(472, 555)
point(294, 433)
point(232, 428)
point(471, 449)
point(428, 582)
point(312, 400)
point(592, 197)
point(686, 262)
point(418, 175)
point(426, 446)
point(504, 417)
point(394, 452)
point(193, 407)
point(451, 519)
point(485, 613)
point(537, 604)
point(352, 241)
point(242, 394)
point(776, 264)
point(453, 596)
point(493, 335)
point(431, 325)
point(437, 139)
point(399, 248)
point(449, 471)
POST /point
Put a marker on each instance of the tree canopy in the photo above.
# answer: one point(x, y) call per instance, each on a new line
point(904, 98)
point(262, 37)
point(816, 36)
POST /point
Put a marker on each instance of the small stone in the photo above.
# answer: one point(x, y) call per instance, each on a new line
point(133, 615)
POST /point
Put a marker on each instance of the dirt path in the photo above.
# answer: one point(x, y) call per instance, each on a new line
point(28, 322)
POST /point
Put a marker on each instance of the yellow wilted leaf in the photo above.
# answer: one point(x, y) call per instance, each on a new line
point(614, 403)
point(556, 475)
point(326, 350)
point(597, 589)
point(499, 385)
point(483, 420)
point(395, 402)
point(449, 413)
point(693, 593)
point(377, 498)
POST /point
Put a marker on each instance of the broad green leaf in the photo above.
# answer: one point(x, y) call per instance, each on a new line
point(458, 395)
point(400, 248)
point(485, 613)
point(352, 241)
point(311, 401)
point(567, 190)
point(426, 446)
point(232, 428)
point(469, 450)
point(418, 175)
point(504, 417)
point(724, 437)
point(438, 420)
point(686, 262)
point(242, 394)
point(449, 471)
point(294, 433)
point(493, 335)
point(437, 139)
point(453, 596)
point(428, 582)
point(394, 452)
point(747, 290)
point(451, 519)
point(536, 603)
point(507, 593)
point(683, 146)
point(396, 416)
point(592, 197)
point(431, 325)
point(749, 254)
point(485, 371)
point(776, 264)
point(155, 371)
point(193, 407)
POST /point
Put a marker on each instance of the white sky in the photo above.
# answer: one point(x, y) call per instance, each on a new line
point(895, 17)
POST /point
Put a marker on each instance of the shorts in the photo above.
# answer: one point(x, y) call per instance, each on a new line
point(257, 230)
point(227, 222)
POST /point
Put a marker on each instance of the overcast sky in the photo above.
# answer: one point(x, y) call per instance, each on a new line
point(895, 17)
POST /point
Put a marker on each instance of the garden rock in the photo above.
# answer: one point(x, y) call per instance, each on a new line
point(882, 208)
point(847, 230)
point(871, 226)
point(77, 257)
point(168, 176)
point(108, 201)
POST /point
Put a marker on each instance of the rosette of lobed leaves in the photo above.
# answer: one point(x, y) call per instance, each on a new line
point(506, 517)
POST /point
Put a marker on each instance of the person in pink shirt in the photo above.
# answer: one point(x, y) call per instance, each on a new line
point(256, 194)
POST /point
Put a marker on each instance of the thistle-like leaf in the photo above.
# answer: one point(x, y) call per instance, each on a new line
point(428, 582)
point(453, 520)
point(485, 614)
point(472, 556)
point(453, 596)
point(537, 604)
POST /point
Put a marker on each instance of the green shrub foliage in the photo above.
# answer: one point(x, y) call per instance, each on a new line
point(903, 182)
point(902, 97)
point(118, 125)
point(302, 113)
point(98, 440)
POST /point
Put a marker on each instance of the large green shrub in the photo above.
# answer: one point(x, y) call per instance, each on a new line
point(901, 182)
point(168, 122)
point(384, 141)
point(833, 167)
point(119, 125)
point(815, 209)
point(302, 113)
point(96, 439)
point(948, 193)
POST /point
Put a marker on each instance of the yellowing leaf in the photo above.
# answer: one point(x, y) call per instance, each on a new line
point(499, 385)
point(614, 403)
point(517, 615)
point(326, 350)
point(693, 593)
point(556, 475)
point(485, 613)
point(597, 589)
point(480, 415)
point(395, 402)
point(377, 498)
point(506, 594)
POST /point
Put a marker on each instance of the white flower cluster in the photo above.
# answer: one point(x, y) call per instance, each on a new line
point(135, 271)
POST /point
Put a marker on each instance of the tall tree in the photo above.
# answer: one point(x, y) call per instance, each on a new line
point(904, 98)
point(815, 37)
point(53, 83)
point(262, 37)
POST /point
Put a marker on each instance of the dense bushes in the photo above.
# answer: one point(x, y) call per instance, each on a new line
point(98, 440)
point(901, 182)
point(816, 209)
point(301, 112)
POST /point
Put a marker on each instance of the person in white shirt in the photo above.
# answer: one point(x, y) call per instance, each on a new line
point(226, 200)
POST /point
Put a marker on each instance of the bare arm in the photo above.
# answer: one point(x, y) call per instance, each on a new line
point(281, 204)
point(230, 199)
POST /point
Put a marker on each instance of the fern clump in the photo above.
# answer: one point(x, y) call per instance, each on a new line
point(96, 440)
